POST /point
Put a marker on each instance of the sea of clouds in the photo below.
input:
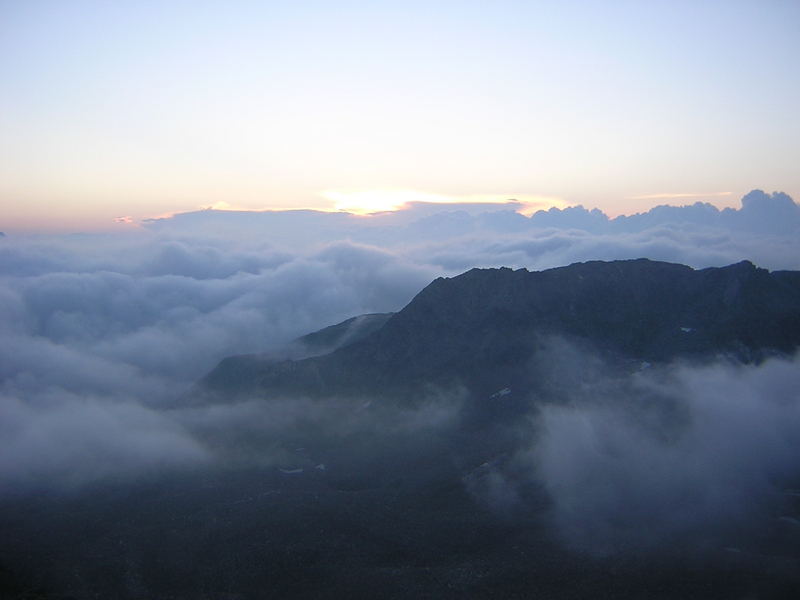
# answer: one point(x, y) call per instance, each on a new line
point(100, 332)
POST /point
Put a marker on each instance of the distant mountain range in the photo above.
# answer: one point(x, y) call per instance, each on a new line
point(487, 330)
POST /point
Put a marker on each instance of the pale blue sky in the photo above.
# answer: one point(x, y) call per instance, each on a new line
point(143, 108)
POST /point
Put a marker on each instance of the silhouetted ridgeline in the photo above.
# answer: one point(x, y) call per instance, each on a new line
point(484, 329)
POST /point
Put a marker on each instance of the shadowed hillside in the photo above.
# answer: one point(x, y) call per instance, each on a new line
point(483, 330)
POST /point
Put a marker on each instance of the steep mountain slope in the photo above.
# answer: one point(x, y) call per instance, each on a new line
point(488, 329)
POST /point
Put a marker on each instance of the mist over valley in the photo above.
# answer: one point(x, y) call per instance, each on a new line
point(215, 406)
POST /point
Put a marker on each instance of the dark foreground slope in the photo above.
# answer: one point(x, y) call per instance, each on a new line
point(482, 330)
point(413, 455)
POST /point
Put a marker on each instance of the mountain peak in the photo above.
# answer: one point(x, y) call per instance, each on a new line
point(481, 330)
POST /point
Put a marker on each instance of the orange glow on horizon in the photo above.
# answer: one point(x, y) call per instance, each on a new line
point(370, 202)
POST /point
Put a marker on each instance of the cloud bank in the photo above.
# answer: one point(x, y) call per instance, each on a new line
point(764, 230)
point(98, 333)
point(683, 458)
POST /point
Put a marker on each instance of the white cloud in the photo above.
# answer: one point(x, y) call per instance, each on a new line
point(133, 320)
point(688, 454)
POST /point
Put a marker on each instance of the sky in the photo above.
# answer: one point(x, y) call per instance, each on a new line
point(130, 111)
point(193, 128)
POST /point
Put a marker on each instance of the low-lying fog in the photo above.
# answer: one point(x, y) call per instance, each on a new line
point(100, 334)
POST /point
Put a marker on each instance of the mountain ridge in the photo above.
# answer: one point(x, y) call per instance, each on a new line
point(481, 329)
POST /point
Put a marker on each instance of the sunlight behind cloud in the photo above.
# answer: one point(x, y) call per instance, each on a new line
point(531, 204)
point(366, 202)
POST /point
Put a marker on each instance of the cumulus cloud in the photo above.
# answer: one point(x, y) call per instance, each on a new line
point(763, 214)
point(774, 213)
point(128, 322)
point(98, 334)
point(456, 237)
point(178, 308)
